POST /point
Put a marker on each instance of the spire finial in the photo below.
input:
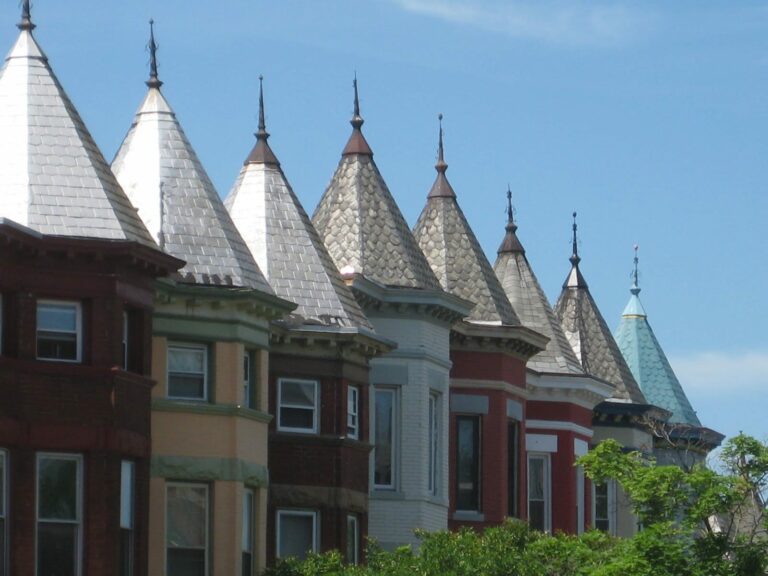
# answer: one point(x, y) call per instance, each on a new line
point(635, 275)
point(510, 210)
point(262, 134)
point(154, 81)
point(26, 18)
point(441, 166)
point(357, 120)
point(575, 256)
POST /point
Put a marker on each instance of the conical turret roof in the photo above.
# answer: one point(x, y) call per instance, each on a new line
point(524, 292)
point(649, 364)
point(456, 257)
point(164, 178)
point(361, 224)
point(54, 179)
point(285, 243)
point(589, 335)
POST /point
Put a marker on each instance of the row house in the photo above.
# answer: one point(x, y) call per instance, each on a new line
point(318, 370)
point(77, 288)
point(210, 339)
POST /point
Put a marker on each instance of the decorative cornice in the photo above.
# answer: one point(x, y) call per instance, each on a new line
point(517, 340)
point(559, 425)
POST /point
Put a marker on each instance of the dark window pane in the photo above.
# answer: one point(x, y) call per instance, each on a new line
point(56, 345)
point(186, 385)
point(297, 418)
point(468, 463)
point(536, 515)
point(186, 562)
point(513, 456)
point(56, 549)
point(2, 546)
point(126, 552)
point(383, 438)
point(57, 489)
point(247, 564)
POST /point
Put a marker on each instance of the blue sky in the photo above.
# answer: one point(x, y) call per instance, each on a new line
point(648, 118)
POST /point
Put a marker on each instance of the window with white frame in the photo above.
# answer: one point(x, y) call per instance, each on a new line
point(59, 331)
point(297, 405)
point(248, 396)
point(188, 371)
point(433, 443)
point(247, 534)
point(186, 535)
point(59, 514)
point(296, 533)
point(468, 463)
point(604, 506)
point(385, 440)
point(353, 412)
point(539, 492)
point(3, 512)
point(127, 499)
point(353, 540)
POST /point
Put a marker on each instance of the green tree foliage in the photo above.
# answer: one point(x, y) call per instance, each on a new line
point(695, 523)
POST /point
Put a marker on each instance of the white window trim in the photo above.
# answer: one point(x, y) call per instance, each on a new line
point(207, 548)
point(351, 518)
point(315, 410)
point(612, 505)
point(247, 369)
point(296, 512)
point(78, 328)
point(433, 444)
point(78, 458)
point(545, 456)
point(355, 434)
point(189, 346)
point(394, 457)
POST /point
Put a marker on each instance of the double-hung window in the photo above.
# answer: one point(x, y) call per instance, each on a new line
point(59, 514)
point(539, 492)
point(353, 412)
point(188, 371)
point(247, 546)
point(127, 498)
point(385, 439)
point(604, 506)
point(3, 512)
point(296, 533)
point(59, 331)
point(433, 442)
point(248, 396)
point(298, 405)
point(353, 540)
point(468, 463)
point(513, 456)
point(186, 539)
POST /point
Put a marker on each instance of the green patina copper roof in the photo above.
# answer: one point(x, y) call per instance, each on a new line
point(649, 364)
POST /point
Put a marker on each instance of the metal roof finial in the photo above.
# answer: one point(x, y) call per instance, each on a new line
point(262, 134)
point(441, 166)
point(510, 209)
point(575, 256)
point(635, 274)
point(154, 81)
point(26, 18)
point(357, 120)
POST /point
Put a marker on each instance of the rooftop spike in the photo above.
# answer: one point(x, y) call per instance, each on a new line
point(441, 166)
point(635, 287)
point(575, 256)
point(262, 153)
point(356, 143)
point(510, 244)
point(154, 81)
point(510, 210)
point(441, 188)
point(26, 18)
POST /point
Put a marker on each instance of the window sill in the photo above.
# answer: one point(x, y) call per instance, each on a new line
point(468, 516)
point(205, 407)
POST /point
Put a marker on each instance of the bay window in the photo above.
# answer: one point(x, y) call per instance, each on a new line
point(297, 405)
point(539, 492)
point(59, 331)
point(186, 539)
point(188, 371)
point(296, 533)
point(353, 409)
point(468, 463)
point(385, 453)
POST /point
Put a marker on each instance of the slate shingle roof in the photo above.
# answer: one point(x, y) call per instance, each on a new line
point(285, 244)
point(524, 292)
point(164, 178)
point(54, 179)
point(649, 364)
point(456, 257)
point(591, 339)
point(362, 226)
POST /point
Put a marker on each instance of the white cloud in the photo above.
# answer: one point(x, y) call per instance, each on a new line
point(718, 373)
point(575, 22)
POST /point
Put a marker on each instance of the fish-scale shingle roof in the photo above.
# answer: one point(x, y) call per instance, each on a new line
point(589, 335)
point(456, 257)
point(54, 178)
point(362, 226)
point(649, 364)
point(164, 178)
point(532, 307)
point(285, 243)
